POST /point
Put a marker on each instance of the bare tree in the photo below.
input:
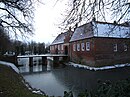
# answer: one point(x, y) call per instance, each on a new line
point(85, 10)
point(17, 16)
point(4, 41)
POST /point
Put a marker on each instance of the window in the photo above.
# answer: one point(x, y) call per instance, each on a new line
point(115, 47)
point(82, 46)
point(50, 48)
point(74, 47)
point(87, 46)
point(125, 47)
point(78, 47)
point(55, 46)
point(62, 47)
point(58, 47)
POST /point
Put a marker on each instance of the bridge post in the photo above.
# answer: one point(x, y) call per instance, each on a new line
point(30, 64)
point(55, 61)
point(44, 60)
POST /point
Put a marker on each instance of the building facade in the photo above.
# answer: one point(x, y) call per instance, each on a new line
point(61, 43)
point(99, 43)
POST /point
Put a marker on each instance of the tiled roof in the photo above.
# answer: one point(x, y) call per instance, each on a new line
point(100, 29)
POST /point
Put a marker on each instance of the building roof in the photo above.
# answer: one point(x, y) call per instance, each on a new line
point(59, 39)
point(104, 29)
point(82, 32)
point(101, 29)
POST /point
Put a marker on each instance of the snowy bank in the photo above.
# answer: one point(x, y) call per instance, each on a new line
point(10, 65)
point(23, 80)
point(37, 91)
point(97, 68)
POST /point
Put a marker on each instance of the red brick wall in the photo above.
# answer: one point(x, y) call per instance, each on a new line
point(105, 54)
point(101, 52)
point(54, 49)
point(83, 57)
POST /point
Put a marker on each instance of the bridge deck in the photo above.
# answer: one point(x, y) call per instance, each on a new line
point(44, 55)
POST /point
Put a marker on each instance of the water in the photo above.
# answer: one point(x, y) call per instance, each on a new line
point(56, 81)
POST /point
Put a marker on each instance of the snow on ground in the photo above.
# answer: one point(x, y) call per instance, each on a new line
point(26, 84)
point(97, 68)
point(10, 65)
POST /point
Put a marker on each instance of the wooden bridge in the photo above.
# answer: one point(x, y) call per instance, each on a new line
point(44, 58)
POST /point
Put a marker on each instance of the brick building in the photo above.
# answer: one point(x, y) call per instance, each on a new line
point(61, 43)
point(97, 43)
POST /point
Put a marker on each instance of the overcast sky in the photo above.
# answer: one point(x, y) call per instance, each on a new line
point(47, 16)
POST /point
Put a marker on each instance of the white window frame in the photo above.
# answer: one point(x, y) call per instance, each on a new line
point(115, 47)
point(82, 46)
point(58, 47)
point(125, 47)
point(55, 46)
point(78, 46)
point(62, 47)
point(52, 47)
point(87, 46)
point(74, 47)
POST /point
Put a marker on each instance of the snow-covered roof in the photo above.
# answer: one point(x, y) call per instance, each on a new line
point(82, 32)
point(59, 39)
point(100, 29)
point(103, 29)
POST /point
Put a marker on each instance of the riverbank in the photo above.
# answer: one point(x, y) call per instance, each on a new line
point(98, 68)
point(12, 85)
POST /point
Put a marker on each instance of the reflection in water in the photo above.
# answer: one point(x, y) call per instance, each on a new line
point(47, 82)
point(37, 65)
point(24, 62)
point(56, 81)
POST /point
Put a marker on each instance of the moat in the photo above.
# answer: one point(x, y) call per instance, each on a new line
point(54, 81)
